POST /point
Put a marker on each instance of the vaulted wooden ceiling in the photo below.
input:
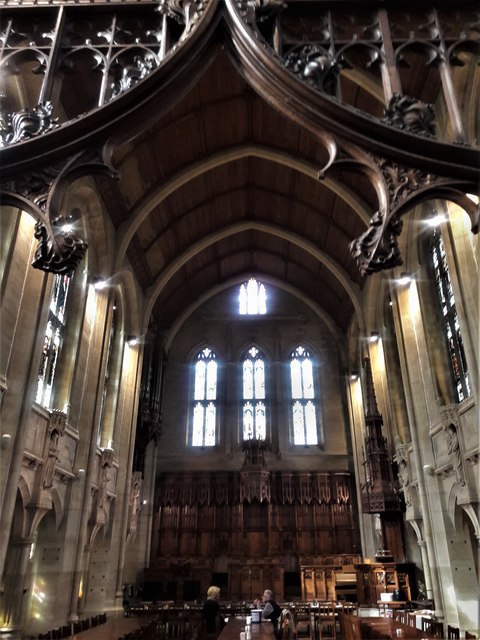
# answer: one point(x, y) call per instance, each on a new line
point(224, 187)
point(230, 162)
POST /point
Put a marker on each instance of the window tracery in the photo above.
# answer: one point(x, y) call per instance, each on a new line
point(52, 341)
point(304, 414)
point(205, 400)
point(449, 318)
point(252, 298)
point(254, 412)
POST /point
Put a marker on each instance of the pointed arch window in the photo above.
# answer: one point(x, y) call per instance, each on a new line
point(449, 318)
point(252, 298)
point(303, 401)
point(52, 340)
point(205, 400)
point(254, 413)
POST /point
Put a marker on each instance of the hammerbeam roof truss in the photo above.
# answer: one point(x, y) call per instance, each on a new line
point(281, 139)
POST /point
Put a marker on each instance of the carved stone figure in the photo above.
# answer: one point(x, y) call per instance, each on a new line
point(135, 495)
point(455, 453)
point(404, 476)
point(51, 461)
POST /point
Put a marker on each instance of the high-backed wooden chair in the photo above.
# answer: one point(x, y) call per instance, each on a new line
point(434, 628)
point(176, 629)
point(411, 619)
point(349, 608)
point(327, 622)
point(400, 615)
point(303, 622)
point(453, 633)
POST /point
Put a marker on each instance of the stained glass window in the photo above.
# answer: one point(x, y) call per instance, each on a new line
point(303, 398)
point(108, 369)
point(252, 298)
point(449, 318)
point(52, 340)
point(205, 400)
point(254, 413)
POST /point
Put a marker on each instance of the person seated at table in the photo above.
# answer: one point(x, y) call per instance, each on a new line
point(271, 610)
point(212, 617)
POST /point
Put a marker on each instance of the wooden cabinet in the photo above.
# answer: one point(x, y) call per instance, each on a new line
point(375, 579)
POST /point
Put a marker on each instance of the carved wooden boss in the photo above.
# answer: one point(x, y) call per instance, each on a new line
point(294, 53)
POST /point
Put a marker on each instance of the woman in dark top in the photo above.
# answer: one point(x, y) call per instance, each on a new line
point(214, 621)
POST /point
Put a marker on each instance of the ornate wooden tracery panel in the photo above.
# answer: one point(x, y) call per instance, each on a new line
point(303, 522)
point(337, 71)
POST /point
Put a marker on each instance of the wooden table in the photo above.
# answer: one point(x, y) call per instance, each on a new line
point(259, 630)
point(374, 627)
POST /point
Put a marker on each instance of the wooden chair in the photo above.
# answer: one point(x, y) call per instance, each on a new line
point(349, 608)
point(66, 630)
point(400, 615)
point(327, 622)
point(411, 619)
point(353, 628)
point(286, 626)
point(453, 633)
point(470, 636)
point(176, 628)
point(77, 627)
point(303, 622)
point(435, 629)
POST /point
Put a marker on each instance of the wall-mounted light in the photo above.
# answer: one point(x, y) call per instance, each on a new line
point(405, 278)
point(5, 441)
point(354, 376)
point(427, 470)
point(474, 198)
point(436, 219)
point(99, 283)
point(132, 340)
point(374, 336)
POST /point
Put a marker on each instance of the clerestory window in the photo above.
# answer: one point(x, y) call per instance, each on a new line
point(448, 316)
point(205, 400)
point(254, 413)
point(252, 298)
point(303, 401)
point(52, 341)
